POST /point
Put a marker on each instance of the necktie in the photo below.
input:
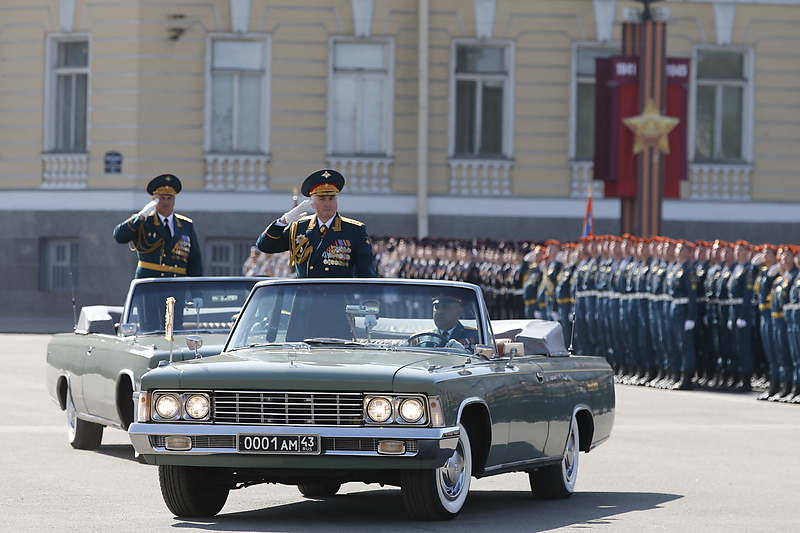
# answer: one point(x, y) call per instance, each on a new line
point(166, 224)
point(446, 335)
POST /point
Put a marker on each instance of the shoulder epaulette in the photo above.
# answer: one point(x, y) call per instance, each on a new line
point(187, 219)
point(352, 221)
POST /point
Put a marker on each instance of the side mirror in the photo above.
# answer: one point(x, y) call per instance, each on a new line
point(194, 342)
point(128, 330)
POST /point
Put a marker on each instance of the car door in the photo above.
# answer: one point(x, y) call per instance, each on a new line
point(97, 378)
point(530, 408)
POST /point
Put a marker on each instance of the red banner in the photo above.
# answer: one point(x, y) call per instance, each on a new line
point(675, 164)
point(617, 98)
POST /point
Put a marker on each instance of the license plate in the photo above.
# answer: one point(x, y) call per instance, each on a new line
point(286, 444)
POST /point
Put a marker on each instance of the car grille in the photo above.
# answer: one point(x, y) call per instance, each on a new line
point(288, 408)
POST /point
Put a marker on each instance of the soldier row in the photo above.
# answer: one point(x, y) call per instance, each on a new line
point(676, 314)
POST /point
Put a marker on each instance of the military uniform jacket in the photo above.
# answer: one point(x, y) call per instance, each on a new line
point(681, 285)
point(344, 252)
point(763, 287)
point(740, 292)
point(465, 335)
point(780, 292)
point(159, 254)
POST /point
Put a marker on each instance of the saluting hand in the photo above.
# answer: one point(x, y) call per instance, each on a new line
point(146, 210)
point(296, 213)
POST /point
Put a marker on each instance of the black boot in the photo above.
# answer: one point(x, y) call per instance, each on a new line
point(771, 391)
point(783, 390)
point(684, 382)
point(742, 383)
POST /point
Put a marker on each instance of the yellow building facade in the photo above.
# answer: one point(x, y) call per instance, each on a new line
point(464, 118)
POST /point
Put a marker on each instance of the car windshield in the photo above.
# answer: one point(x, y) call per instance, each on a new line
point(209, 306)
point(348, 314)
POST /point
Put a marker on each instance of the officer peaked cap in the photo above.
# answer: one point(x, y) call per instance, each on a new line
point(164, 184)
point(325, 182)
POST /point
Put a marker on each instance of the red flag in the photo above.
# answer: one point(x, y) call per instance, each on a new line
point(588, 218)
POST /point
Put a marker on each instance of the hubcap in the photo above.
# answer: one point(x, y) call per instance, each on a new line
point(569, 457)
point(451, 475)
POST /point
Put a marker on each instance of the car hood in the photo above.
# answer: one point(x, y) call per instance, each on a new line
point(341, 369)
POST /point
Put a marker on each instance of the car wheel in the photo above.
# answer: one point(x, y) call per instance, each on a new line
point(82, 435)
point(190, 491)
point(439, 494)
point(557, 482)
point(319, 490)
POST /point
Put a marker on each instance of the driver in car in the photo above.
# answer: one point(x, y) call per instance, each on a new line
point(449, 331)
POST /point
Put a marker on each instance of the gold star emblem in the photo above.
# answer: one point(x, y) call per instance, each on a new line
point(651, 129)
point(326, 175)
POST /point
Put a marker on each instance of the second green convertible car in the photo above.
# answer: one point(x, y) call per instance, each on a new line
point(399, 382)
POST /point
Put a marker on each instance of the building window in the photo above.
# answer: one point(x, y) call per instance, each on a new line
point(481, 95)
point(719, 106)
point(59, 265)
point(584, 91)
point(71, 96)
point(238, 96)
point(227, 256)
point(360, 107)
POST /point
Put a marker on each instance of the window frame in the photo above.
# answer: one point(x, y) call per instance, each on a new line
point(264, 144)
point(47, 250)
point(51, 89)
point(746, 83)
point(236, 267)
point(575, 79)
point(507, 144)
point(388, 96)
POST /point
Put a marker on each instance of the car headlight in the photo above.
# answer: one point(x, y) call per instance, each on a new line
point(379, 409)
point(197, 406)
point(167, 406)
point(411, 410)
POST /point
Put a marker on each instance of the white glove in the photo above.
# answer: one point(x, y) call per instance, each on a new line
point(146, 210)
point(452, 343)
point(740, 323)
point(537, 314)
point(296, 213)
point(730, 324)
point(689, 324)
point(554, 316)
point(571, 317)
point(370, 321)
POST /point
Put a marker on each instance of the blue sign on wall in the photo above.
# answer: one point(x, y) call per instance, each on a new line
point(113, 162)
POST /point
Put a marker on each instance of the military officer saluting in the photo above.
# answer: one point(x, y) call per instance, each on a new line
point(325, 244)
point(164, 241)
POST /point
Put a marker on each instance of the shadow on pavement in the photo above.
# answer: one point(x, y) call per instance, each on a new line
point(484, 511)
point(120, 451)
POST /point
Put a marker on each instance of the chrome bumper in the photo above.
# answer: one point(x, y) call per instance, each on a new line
point(216, 446)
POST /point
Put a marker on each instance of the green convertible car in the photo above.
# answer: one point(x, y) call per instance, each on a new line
point(399, 382)
point(93, 372)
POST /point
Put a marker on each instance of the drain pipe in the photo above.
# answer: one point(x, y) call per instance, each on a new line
point(422, 120)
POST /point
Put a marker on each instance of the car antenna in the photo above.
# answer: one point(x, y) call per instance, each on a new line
point(572, 335)
point(72, 288)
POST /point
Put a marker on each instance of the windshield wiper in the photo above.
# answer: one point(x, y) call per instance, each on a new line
point(257, 345)
point(338, 342)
